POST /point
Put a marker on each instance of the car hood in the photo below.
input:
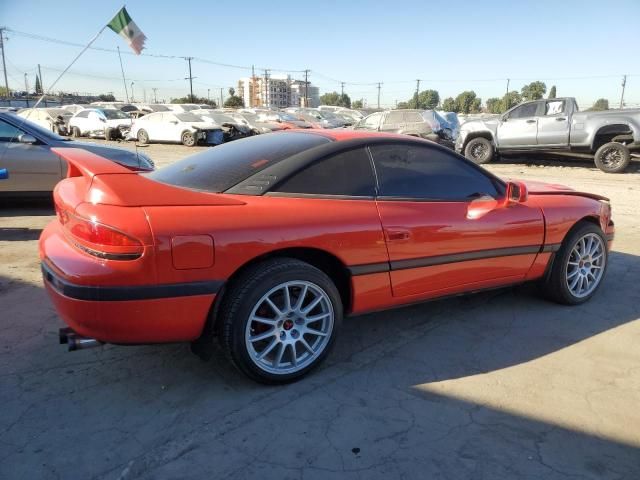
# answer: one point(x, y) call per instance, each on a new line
point(119, 155)
point(542, 188)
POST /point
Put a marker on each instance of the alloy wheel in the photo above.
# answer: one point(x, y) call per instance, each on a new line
point(289, 327)
point(586, 264)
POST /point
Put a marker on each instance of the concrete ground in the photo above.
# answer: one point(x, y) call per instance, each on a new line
point(496, 385)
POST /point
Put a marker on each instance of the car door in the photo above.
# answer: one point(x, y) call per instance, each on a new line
point(151, 124)
point(446, 226)
point(31, 167)
point(370, 123)
point(553, 124)
point(79, 120)
point(519, 127)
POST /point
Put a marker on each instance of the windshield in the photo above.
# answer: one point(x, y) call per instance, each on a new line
point(189, 117)
point(115, 114)
point(220, 168)
point(158, 108)
point(188, 108)
point(220, 118)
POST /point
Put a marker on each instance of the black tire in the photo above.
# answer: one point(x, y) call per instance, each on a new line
point(108, 133)
point(188, 139)
point(479, 150)
point(143, 136)
point(245, 294)
point(555, 285)
point(612, 157)
point(75, 132)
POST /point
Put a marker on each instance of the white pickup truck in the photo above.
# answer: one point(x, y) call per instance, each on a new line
point(555, 126)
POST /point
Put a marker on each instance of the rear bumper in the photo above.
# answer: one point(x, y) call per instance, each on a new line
point(131, 314)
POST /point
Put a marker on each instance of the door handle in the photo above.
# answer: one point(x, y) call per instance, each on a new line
point(397, 235)
point(560, 119)
point(531, 121)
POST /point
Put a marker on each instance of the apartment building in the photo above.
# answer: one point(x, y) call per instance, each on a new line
point(278, 91)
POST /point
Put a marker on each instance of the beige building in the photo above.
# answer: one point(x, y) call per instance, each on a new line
point(278, 91)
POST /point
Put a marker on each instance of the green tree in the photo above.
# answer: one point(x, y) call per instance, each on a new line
point(233, 101)
point(552, 92)
point(330, 98)
point(402, 105)
point(600, 104)
point(345, 101)
point(467, 102)
point(494, 105)
point(4, 92)
point(450, 105)
point(38, 86)
point(426, 100)
point(511, 99)
point(534, 91)
point(196, 99)
point(108, 97)
point(357, 104)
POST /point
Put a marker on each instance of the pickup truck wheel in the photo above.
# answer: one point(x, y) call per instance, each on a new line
point(479, 150)
point(612, 157)
point(188, 139)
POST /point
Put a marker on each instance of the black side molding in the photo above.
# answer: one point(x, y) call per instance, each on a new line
point(112, 293)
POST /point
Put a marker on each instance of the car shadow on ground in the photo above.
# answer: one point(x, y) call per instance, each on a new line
point(26, 207)
point(18, 234)
point(158, 410)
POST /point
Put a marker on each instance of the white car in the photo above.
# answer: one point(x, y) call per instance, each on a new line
point(185, 128)
point(54, 119)
point(100, 122)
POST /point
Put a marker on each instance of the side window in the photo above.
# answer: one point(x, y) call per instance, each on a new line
point(406, 171)
point(372, 121)
point(413, 117)
point(347, 173)
point(525, 111)
point(394, 117)
point(83, 114)
point(9, 133)
point(554, 107)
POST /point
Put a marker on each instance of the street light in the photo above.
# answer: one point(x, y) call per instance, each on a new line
point(132, 92)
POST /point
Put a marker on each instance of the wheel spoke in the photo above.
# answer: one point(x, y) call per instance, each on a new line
point(300, 300)
point(315, 332)
point(278, 357)
point(312, 305)
point(315, 318)
point(266, 321)
point(268, 349)
point(263, 335)
point(287, 299)
point(572, 274)
point(273, 306)
point(294, 356)
point(574, 283)
point(306, 345)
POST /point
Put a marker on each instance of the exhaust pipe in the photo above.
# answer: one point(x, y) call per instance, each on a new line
point(77, 342)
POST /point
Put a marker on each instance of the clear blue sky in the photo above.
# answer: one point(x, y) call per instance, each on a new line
point(451, 45)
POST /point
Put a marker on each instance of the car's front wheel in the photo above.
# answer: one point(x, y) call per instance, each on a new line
point(143, 136)
point(279, 320)
point(579, 266)
point(188, 139)
point(479, 150)
point(612, 157)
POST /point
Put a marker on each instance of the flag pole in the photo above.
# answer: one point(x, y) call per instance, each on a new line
point(70, 65)
point(126, 93)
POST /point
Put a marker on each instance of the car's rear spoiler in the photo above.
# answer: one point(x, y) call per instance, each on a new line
point(84, 163)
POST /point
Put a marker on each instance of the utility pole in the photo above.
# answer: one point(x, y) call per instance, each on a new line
point(624, 84)
point(266, 102)
point(208, 94)
point(190, 78)
point(221, 99)
point(379, 86)
point(26, 88)
point(341, 90)
point(417, 92)
point(507, 105)
point(44, 92)
point(132, 91)
point(4, 65)
point(306, 88)
point(155, 95)
point(144, 94)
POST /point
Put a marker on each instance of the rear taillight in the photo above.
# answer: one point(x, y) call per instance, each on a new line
point(98, 239)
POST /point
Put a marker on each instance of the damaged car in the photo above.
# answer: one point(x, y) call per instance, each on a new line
point(185, 128)
point(106, 123)
point(233, 129)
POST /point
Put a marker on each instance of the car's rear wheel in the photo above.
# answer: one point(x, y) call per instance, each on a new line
point(612, 157)
point(143, 136)
point(579, 266)
point(75, 132)
point(479, 150)
point(188, 139)
point(279, 320)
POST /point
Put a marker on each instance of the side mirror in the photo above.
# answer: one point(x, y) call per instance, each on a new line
point(26, 138)
point(103, 120)
point(516, 193)
point(4, 174)
point(504, 118)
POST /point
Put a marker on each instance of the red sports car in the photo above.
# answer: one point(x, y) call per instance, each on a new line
point(269, 241)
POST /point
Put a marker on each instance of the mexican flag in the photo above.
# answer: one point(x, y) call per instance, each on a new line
point(127, 29)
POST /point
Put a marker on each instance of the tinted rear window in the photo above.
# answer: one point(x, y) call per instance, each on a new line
point(220, 168)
